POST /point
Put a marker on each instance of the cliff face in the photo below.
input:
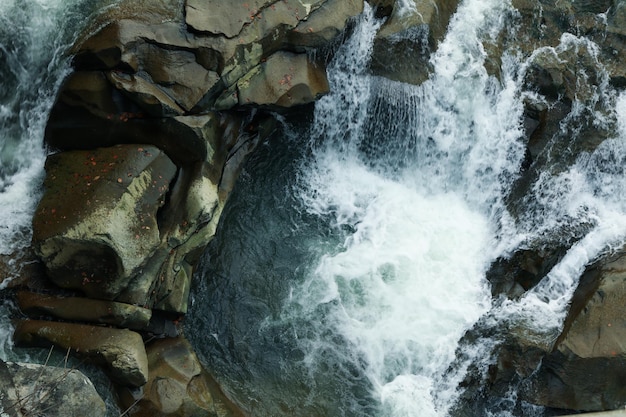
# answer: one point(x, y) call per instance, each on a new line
point(167, 99)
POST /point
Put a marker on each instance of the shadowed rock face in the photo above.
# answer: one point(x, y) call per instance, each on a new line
point(587, 366)
point(166, 101)
point(96, 225)
point(150, 130)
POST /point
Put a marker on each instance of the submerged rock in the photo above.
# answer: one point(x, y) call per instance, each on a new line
point(30, 389)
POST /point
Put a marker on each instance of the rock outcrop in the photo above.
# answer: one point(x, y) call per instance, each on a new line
point(149, 133)
point(29, 390)
point(411, 33)
point(587, 366)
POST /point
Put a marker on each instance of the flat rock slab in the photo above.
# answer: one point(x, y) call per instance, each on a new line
point(84, 309)
point(121, 351)
point(38, 390)
point(96, 223)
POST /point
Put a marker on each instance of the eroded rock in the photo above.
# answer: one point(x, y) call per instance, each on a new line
point(121, 351)
point(84, 309)
point(178, 385)
point(96, 224)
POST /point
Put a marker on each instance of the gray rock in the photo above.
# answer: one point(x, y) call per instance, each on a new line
point(403, 45)
point(38, 390)
point(83, 309)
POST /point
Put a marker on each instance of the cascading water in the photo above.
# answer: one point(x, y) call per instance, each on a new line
point(343, 276)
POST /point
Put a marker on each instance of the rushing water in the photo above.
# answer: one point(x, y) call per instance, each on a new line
point(351, 258)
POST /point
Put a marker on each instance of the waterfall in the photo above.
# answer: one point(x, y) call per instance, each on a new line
point(345, 287)
point(34, 35)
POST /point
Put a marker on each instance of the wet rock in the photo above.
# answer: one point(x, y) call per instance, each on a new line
point(96, 224)
point(404, 43)
point(523, 270)
point(84, 309)
point(284, 80)
point(324, 24)
point(29, 389)
point(120, 351)
point(178, 385)
point(587, 367)
point(175, 66)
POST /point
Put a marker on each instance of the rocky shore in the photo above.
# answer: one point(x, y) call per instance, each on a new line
point(151, 128)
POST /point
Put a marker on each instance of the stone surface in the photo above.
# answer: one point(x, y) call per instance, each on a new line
point(120, 351)
point(178, 385)
point(96, 224)
point(84, 309)
point(587, 367)
point(284, 80)
point(404, 43)
point(37, 390)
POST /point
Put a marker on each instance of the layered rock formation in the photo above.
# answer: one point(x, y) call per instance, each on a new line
point(148, 135)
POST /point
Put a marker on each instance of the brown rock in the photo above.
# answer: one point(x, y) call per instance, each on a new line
point(35, 390)
point(178, 385)
point(84, 309)
point(120, 351)
point(587, 367)
point(96, 224)
point(284, 80)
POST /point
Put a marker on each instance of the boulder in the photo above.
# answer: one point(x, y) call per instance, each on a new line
point(121, 351)
point(96, 224)
point(35, 390)
point(283, 80)
point(83, 309)
point(587, 367)
point(178, 385)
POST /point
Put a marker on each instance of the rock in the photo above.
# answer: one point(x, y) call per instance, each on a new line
point(587, 367)
point(84, 309)
point(404, 43)
point(171, 67)
point(178, 385)
point(121, 351)
point(324, 24)
point(29, 389)
point(96, 224)
point(284, 80)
